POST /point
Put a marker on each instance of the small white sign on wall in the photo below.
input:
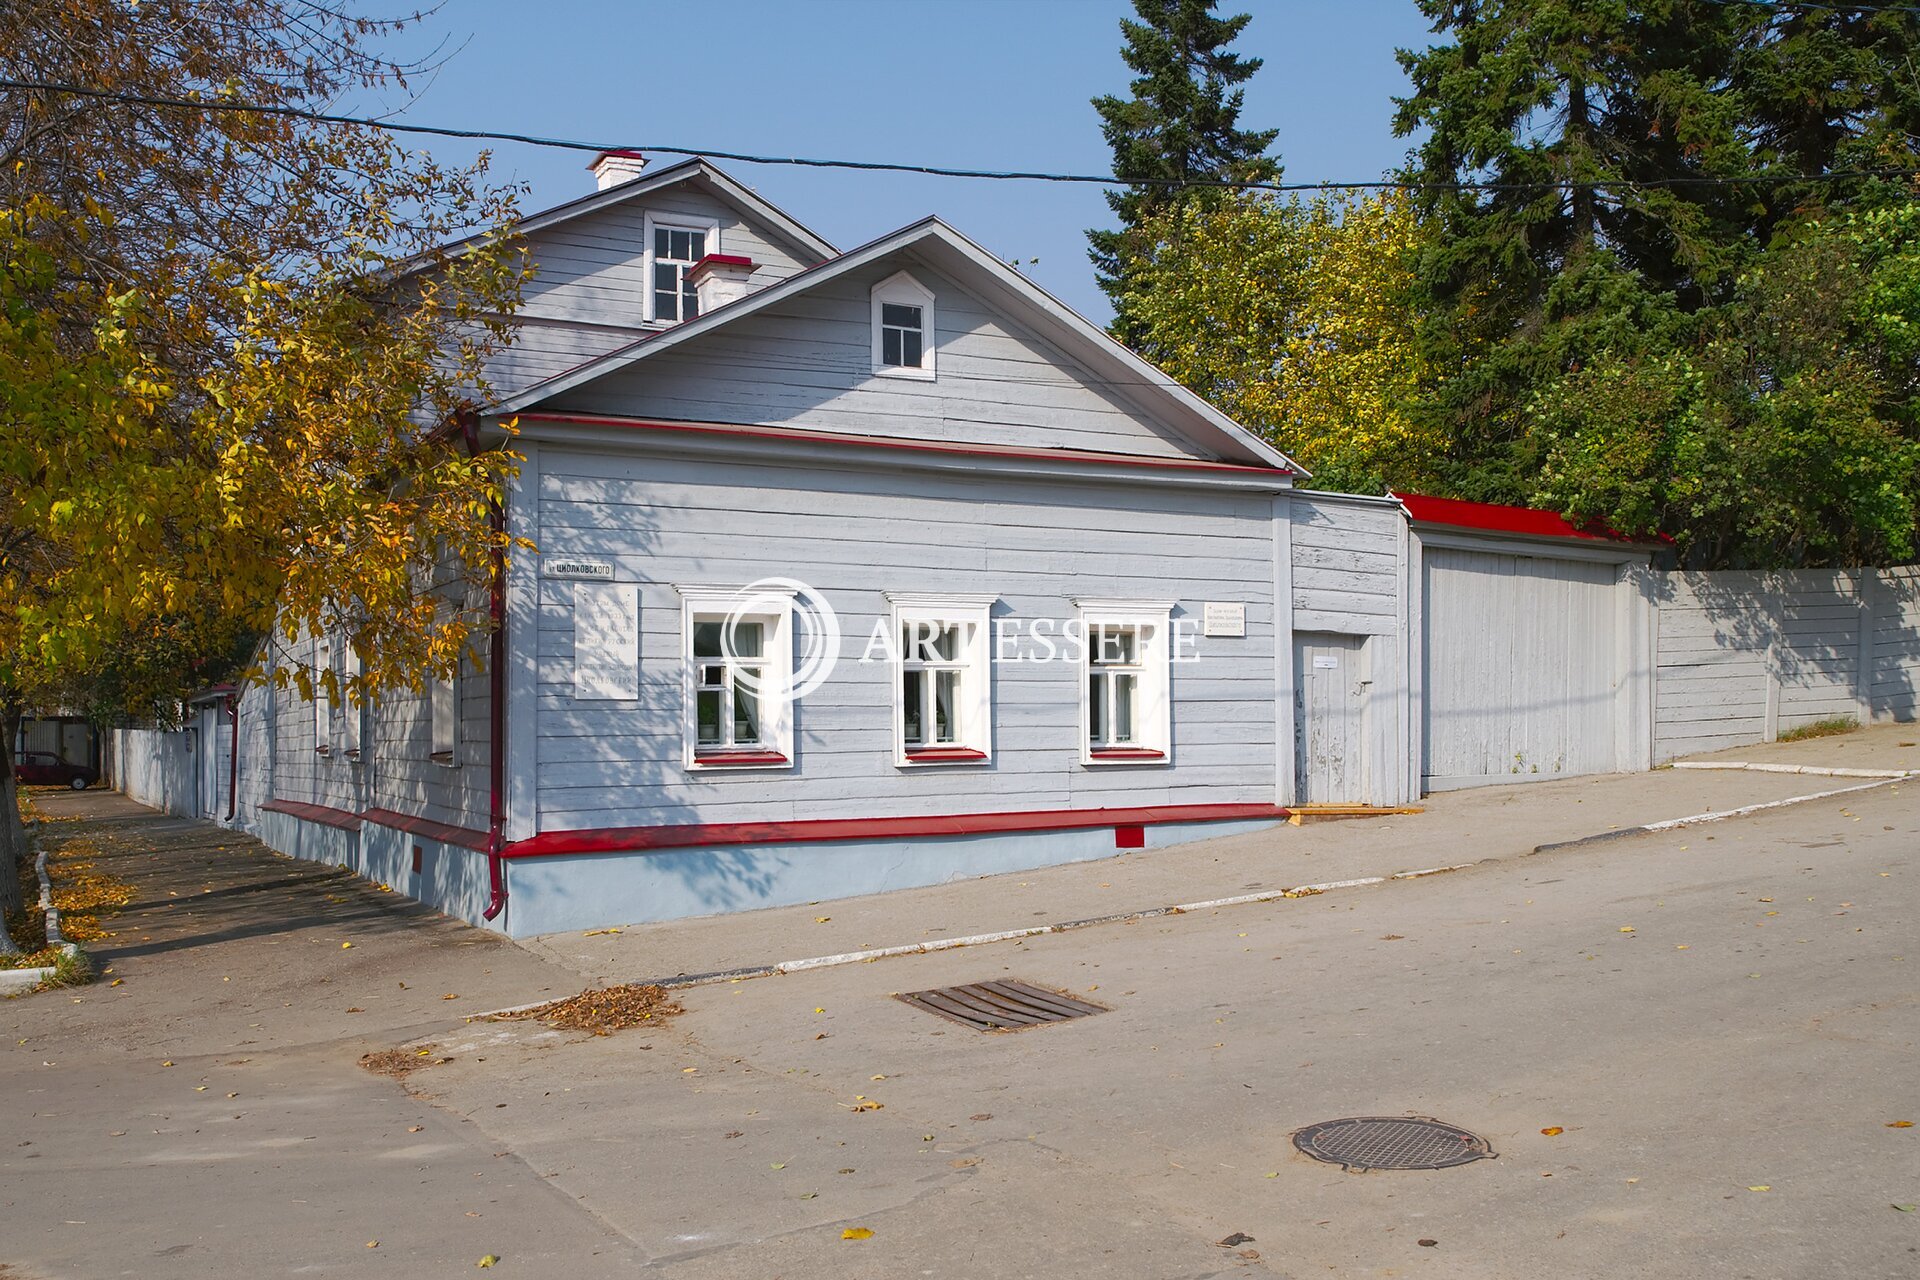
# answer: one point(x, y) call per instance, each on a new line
point(606, 641)
point(574, 567)
point(1326, 662)
point(1222, 618)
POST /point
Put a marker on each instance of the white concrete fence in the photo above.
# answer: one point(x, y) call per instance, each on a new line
point(1743, 656)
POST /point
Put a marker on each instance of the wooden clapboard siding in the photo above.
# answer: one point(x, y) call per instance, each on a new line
point(808, 362)
point(854, 536)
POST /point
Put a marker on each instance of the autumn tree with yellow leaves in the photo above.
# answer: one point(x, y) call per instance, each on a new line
point(231, 350)
point(1295, 316)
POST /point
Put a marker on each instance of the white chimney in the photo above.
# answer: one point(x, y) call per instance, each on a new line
point(719, 278)
point(615, 167)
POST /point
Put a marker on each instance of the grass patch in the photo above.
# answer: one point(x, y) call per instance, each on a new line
point(1831, 727)
point(72, 967)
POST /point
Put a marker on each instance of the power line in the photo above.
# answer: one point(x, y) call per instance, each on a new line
point(938, 171)
point(1818, 6)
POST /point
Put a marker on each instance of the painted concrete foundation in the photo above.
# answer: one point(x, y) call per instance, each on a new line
point(564, 892)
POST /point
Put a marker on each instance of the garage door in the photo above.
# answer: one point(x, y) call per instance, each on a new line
point(1519, 668)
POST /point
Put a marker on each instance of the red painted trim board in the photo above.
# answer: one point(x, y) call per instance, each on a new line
point(320, 813)
point(445, 833)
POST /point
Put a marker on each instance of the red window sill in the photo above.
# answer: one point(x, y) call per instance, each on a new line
point(738, 759)
point(946, 755)
point(1122, 754)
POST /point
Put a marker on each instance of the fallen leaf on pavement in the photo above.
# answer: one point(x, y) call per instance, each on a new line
point(984, 1115)
point(488, 1261)
point(821, 919)
point(595, 933)
point(1554, 1132)
point(1427, 1243)
point(857, 1233)
point(1899, 1124)
point(1235, 1240)
point(1762, 1187)
point(603, 1010)
point(345, 946)
point(1626, 928)
point(1904, 1208)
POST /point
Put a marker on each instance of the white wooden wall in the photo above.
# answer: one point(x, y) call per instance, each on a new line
point(1745, 655)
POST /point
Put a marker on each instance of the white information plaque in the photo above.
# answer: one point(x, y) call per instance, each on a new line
point(1218, 618)
point(606, 641)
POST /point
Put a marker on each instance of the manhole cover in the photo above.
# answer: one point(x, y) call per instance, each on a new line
point(1391, 1142)
point(1000, 1006)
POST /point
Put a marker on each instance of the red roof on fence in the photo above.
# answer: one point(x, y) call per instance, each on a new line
point(1525, 521)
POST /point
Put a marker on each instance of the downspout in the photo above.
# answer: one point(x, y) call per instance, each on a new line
point(496, 688)
point(233, 755)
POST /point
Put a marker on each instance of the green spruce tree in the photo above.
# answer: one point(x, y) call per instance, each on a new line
point(1180, 126)
point(1649, 167)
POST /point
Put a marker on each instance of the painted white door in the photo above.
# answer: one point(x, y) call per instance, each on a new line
point(1329, 718)
point(1521, 668)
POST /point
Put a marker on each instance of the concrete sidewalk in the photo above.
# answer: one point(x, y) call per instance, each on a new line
point(1458, 827)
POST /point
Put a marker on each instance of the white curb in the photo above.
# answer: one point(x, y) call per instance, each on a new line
point(1696, 819)
point(1819, 770)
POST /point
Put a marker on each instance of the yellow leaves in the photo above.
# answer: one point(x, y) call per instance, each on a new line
point(1553, 1131)
point(857, 1233)
point(1899, 1124)
point(1762, 1187)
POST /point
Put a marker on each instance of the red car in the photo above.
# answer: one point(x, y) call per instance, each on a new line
point(44, 769)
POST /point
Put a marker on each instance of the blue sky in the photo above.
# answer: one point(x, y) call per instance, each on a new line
point(965, 83)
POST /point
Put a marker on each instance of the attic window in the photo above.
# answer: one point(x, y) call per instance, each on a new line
point(672, 250)
point(903, 328)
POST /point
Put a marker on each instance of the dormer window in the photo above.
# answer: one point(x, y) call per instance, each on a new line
point(672, 250)
point(903, 330)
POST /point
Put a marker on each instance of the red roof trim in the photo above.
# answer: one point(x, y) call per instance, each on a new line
point(911, 446)
point(440, 831)
point(720, 260)
point(639, 839)
point(1526, 521)
point(320, 813)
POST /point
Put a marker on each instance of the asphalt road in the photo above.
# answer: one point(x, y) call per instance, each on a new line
point(1721, 1025)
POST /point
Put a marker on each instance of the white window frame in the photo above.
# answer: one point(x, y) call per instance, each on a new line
point(350, 711)
point(443, 707)
point(710, 227)
point(322, 701)
point(775, 610)
point(902, 289)
point(973, 737)
point(1153, 703)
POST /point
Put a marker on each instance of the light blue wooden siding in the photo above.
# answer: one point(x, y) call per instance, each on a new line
point(808, 362)
point(853, 536)
point(299, 771)
point(395, 770)
point(592, 268)
point(1346, 565)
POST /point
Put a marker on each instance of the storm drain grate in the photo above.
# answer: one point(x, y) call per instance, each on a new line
point(1391, 1142)
point(1000, 1006)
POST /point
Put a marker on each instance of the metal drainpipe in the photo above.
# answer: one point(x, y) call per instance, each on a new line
point(233, 756)
point(496, 690)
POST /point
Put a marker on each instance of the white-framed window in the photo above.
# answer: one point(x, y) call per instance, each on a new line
point(943, 679)
point(1126, 697)
point(443, 697)
point(738, 658)
point(903, 328)
point(350, 710)
point(322, 700)
point(673, 246)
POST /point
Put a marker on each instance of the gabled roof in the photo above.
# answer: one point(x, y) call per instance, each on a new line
point(744, 198)
point(1528, 522)
point(974, 266)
